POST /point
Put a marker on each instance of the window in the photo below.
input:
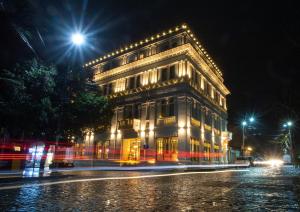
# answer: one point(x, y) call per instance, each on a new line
point(171, 107)
point(128, 112)
point(147, 112)
point(134, 82)
point(164, 74)
point(168, 73)
point(138, 81)
point(109, 89)
point(164, 108)
point(167, 149)
point(206, 153)
point(132, 58)
point(208, 118)
point(195, 78)
point(131, 82)
point(167, 107)
point(107, 66)
point(114, 63)
point(143, 54)
point(217, 123)
point(172, 72)
point(174, 44)
point(196, 110)
point(137, 111)
point(164, 46)
point(103, 91)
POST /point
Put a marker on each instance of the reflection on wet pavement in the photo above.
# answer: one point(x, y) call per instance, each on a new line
point(260, 188)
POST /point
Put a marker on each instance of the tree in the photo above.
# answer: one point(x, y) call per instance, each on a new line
point(88, 111)
point(26, 108)
point(37, 102)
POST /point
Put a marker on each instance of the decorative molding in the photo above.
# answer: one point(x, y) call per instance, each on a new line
point(185, 49)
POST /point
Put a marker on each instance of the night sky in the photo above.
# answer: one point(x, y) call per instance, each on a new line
point(256, 44)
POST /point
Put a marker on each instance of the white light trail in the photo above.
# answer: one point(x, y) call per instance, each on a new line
point(118, 178)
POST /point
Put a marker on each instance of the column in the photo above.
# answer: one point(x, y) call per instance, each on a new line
point(183, 120)
point(113, 130)
point(119, 135)
point(152, 142)
point(142, 132)
point(202, 133)
point(212, 140)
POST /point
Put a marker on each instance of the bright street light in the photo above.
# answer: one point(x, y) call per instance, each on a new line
point(244, 123)
point(77, 39)
point(287, 124)
point(251, 119)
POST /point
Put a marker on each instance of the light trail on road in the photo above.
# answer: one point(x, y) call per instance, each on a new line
point(118, 178)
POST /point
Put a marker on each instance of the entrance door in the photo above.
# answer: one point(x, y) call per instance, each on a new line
point(131, 149)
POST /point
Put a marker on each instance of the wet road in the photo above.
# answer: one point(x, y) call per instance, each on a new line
point(257, 189)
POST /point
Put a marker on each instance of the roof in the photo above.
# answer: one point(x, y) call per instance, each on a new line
point(152, 39)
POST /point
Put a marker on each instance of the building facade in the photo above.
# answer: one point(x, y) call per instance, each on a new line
point(169, 99)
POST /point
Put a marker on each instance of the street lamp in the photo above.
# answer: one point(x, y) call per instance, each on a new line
point(244, 124)
point(288, 125)
point(77, 39)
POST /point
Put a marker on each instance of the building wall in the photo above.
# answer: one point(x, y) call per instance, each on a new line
point(178, 99)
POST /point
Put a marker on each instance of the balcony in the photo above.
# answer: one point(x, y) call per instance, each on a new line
point(166, 120)
point(217, 132)
point(129, 124)
point(195, 122)
point(207, 127)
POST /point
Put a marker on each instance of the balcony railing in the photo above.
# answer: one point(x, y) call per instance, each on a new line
point(217, 132)
point(166, 120)
point(195, 122)
point(129, 124)
point(125, 124)
point(207, 127)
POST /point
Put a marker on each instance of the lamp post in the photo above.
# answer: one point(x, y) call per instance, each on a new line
point(76, 39)
point(244, 124)
point(288, 126)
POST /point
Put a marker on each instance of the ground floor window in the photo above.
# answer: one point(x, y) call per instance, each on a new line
point(206, 152)
point(131, 149)
point(79, 150)
point(194, 149)
point(216, 153)
point(102, 150)
point(167, 149)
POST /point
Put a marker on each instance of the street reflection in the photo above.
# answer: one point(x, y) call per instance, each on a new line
point(259, 189)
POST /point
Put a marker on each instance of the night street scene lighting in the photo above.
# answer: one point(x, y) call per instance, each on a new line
point(103, 108)
point(78, 39)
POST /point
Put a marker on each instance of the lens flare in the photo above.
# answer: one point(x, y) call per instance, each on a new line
point(78, 39)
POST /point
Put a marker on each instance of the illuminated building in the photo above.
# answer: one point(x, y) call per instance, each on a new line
point(170, 101)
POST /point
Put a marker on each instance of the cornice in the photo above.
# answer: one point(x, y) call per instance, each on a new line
point(185, 49)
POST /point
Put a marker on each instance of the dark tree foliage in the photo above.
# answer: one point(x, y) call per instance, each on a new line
point(36, 102)
point(26, 108)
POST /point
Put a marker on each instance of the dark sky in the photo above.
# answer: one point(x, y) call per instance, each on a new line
point(255, 43)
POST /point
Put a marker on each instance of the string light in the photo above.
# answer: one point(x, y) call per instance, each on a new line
point(184, 26)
